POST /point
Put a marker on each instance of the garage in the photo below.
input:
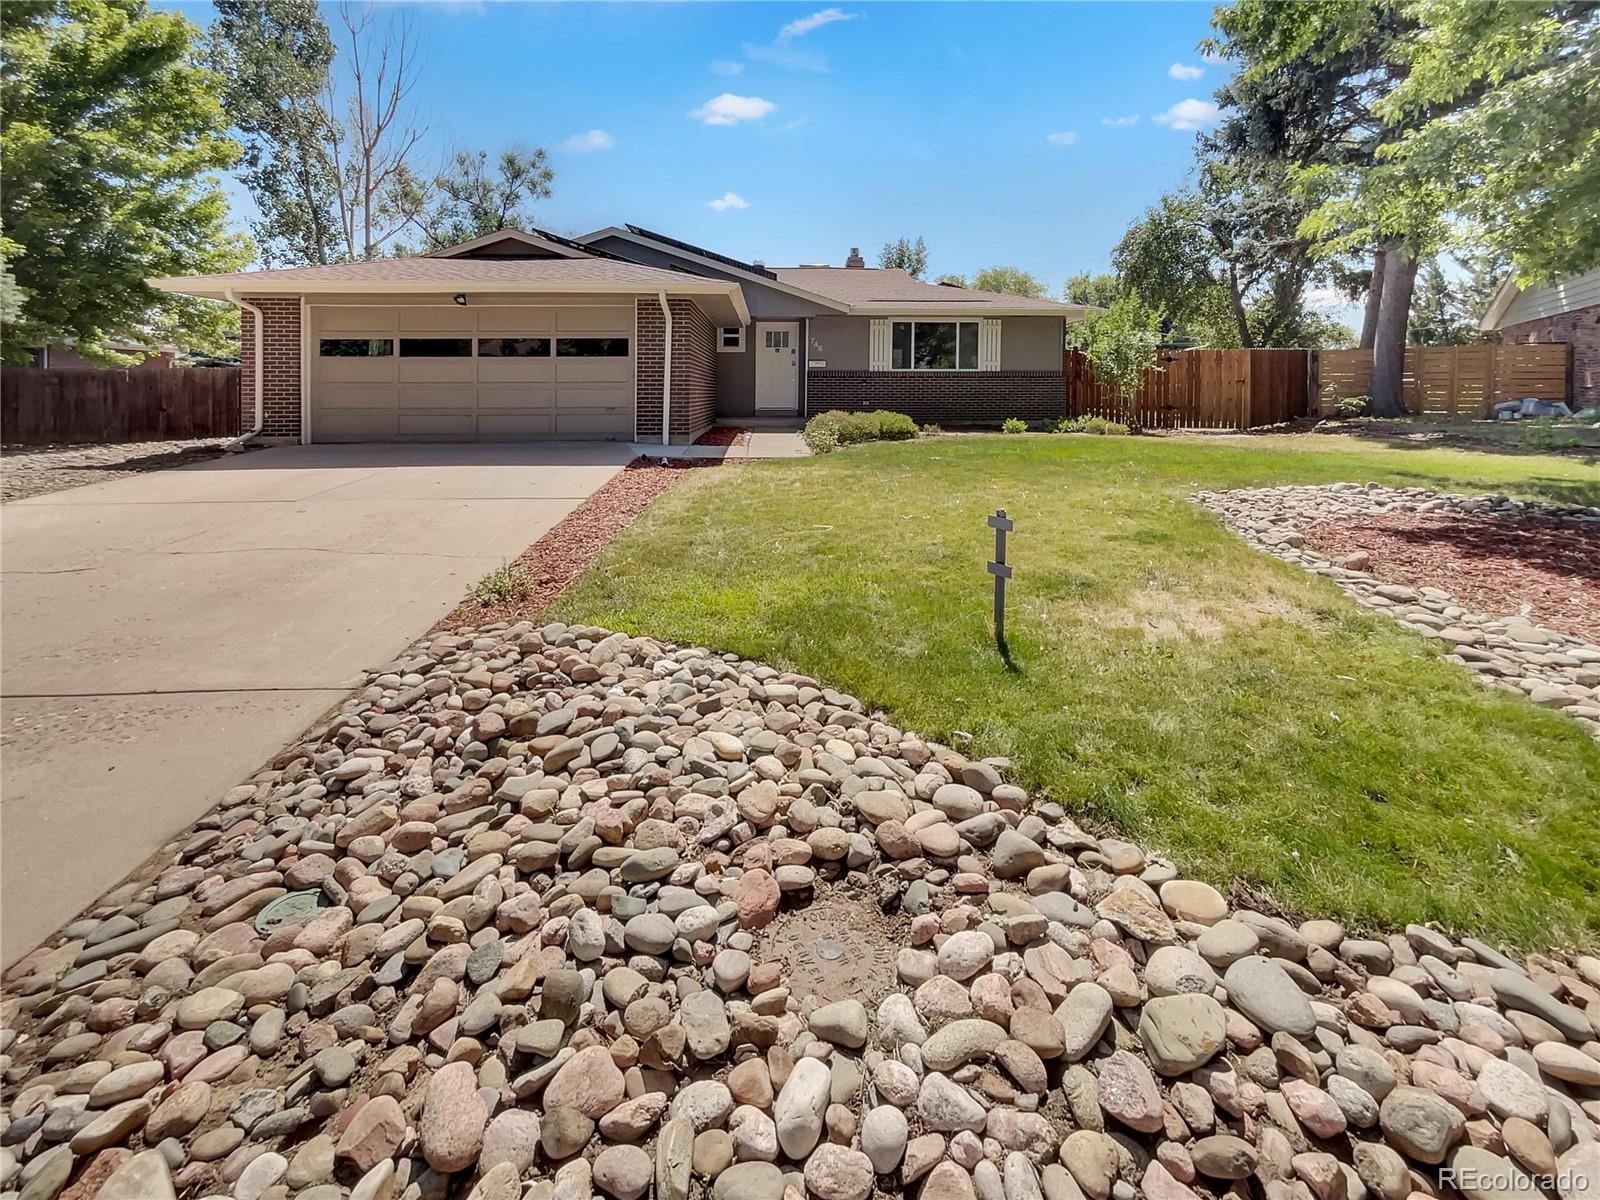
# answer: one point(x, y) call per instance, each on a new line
point(450, 372)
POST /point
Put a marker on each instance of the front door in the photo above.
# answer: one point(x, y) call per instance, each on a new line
point(777, 366)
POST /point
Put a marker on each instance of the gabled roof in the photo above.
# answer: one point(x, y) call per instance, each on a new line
point(539, 242)
point(719, 262)
point(879, 290)
point(1513, 305)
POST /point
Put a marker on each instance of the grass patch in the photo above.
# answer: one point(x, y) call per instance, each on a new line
point(1164, 679)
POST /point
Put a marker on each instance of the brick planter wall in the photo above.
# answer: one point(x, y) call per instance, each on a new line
point(1580, 329)
point(694, 371)
point(942, 398)
point(281, 370)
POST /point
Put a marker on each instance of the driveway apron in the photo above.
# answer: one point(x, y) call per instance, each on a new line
point(164, 635)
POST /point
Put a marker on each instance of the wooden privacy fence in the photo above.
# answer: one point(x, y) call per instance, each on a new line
point(1452, 380)
point(1199, 389)
point(38, 407)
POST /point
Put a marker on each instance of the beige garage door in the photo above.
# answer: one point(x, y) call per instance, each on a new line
point(401, 373)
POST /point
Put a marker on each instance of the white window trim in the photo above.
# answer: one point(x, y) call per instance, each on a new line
point(722, 346)
point(914, 322)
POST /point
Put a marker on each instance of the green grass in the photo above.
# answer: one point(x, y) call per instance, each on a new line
point(1164, 680)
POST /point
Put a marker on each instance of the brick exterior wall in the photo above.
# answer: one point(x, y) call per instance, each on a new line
point(694, 370)
point(281, 368)
point(941, 397)
point(1580, 329)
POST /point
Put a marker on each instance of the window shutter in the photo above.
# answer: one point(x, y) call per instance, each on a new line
point(989, 345)
point(878, 346)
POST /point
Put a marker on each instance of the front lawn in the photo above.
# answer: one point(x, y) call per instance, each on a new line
point(1164, 680)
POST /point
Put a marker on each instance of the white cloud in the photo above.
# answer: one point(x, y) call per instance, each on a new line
point(726, 201)
point(1120, 122)
point(1065, 138)
point(728, 109)
point(815, 21)
point(1189, 114)
point(1185, 71)
point(588, 143)
point(722, 66)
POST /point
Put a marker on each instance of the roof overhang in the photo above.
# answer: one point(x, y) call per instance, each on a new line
point(1497, 307)
point(722, 300)
point(776, 285)
point(947, 311)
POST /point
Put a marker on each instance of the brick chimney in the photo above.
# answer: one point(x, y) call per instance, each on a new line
point(855, 262)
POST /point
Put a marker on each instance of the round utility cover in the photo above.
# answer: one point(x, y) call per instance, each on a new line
point(290, 910)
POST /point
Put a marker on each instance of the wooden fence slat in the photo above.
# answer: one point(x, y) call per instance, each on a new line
point(1199, 389)
point(1452, 380)
point(81, 405)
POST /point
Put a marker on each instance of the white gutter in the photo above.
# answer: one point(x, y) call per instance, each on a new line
point(261, 353)
point(666, 371)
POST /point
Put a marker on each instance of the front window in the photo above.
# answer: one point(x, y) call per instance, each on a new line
point(732, 338)
point(592, 347)
point(934, 346)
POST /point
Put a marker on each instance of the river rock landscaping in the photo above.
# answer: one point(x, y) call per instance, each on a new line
point(1502, 563)
point(529, 916)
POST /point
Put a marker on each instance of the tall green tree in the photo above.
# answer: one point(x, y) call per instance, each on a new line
point(909, 256)
point(1101, 291)
point(1223, 261)
point(1452, 296)
point(471, 198)
point(1013, 281)
point(273, 57)
point(110, 129)
point(1484, 120)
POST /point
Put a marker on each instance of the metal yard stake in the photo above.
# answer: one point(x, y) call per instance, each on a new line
point(1002, 525)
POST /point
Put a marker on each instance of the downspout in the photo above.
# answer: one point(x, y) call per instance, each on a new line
point(261, 353)
point(666, 371)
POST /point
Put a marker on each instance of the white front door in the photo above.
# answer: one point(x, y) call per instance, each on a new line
point(778, 366)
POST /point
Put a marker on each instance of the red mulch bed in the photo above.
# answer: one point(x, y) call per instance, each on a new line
point(723, 435)
point(1490, 565)
point(545, 568)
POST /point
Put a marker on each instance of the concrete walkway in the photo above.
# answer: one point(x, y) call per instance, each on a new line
point(164, 635)
point(760, 443)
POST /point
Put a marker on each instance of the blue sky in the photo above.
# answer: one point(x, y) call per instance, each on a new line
point(1003, 133)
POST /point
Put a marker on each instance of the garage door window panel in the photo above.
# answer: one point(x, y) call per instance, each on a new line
point(592, 347)
point(355, 347)
point(514, 347)
point(436, 347)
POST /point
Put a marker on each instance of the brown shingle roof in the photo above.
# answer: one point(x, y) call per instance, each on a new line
point(879, 290)
point(450, 271)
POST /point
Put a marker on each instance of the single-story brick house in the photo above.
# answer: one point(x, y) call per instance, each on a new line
point(621, 334)
point(1567, 311)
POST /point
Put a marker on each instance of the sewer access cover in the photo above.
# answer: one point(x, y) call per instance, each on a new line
point(838, 947)
point(290, 910)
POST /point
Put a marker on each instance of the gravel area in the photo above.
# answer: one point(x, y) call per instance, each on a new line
point(38, 470)
point(1547, 572)
point(499, 928)
point(1510, 587)
point(723, 435)
point(542, 571)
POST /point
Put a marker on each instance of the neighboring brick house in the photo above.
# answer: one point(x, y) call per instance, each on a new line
point(526, 335)
point(67, 358)
point(1568, 311)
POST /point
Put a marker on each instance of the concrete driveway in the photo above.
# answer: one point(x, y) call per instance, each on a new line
point(164, 635)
